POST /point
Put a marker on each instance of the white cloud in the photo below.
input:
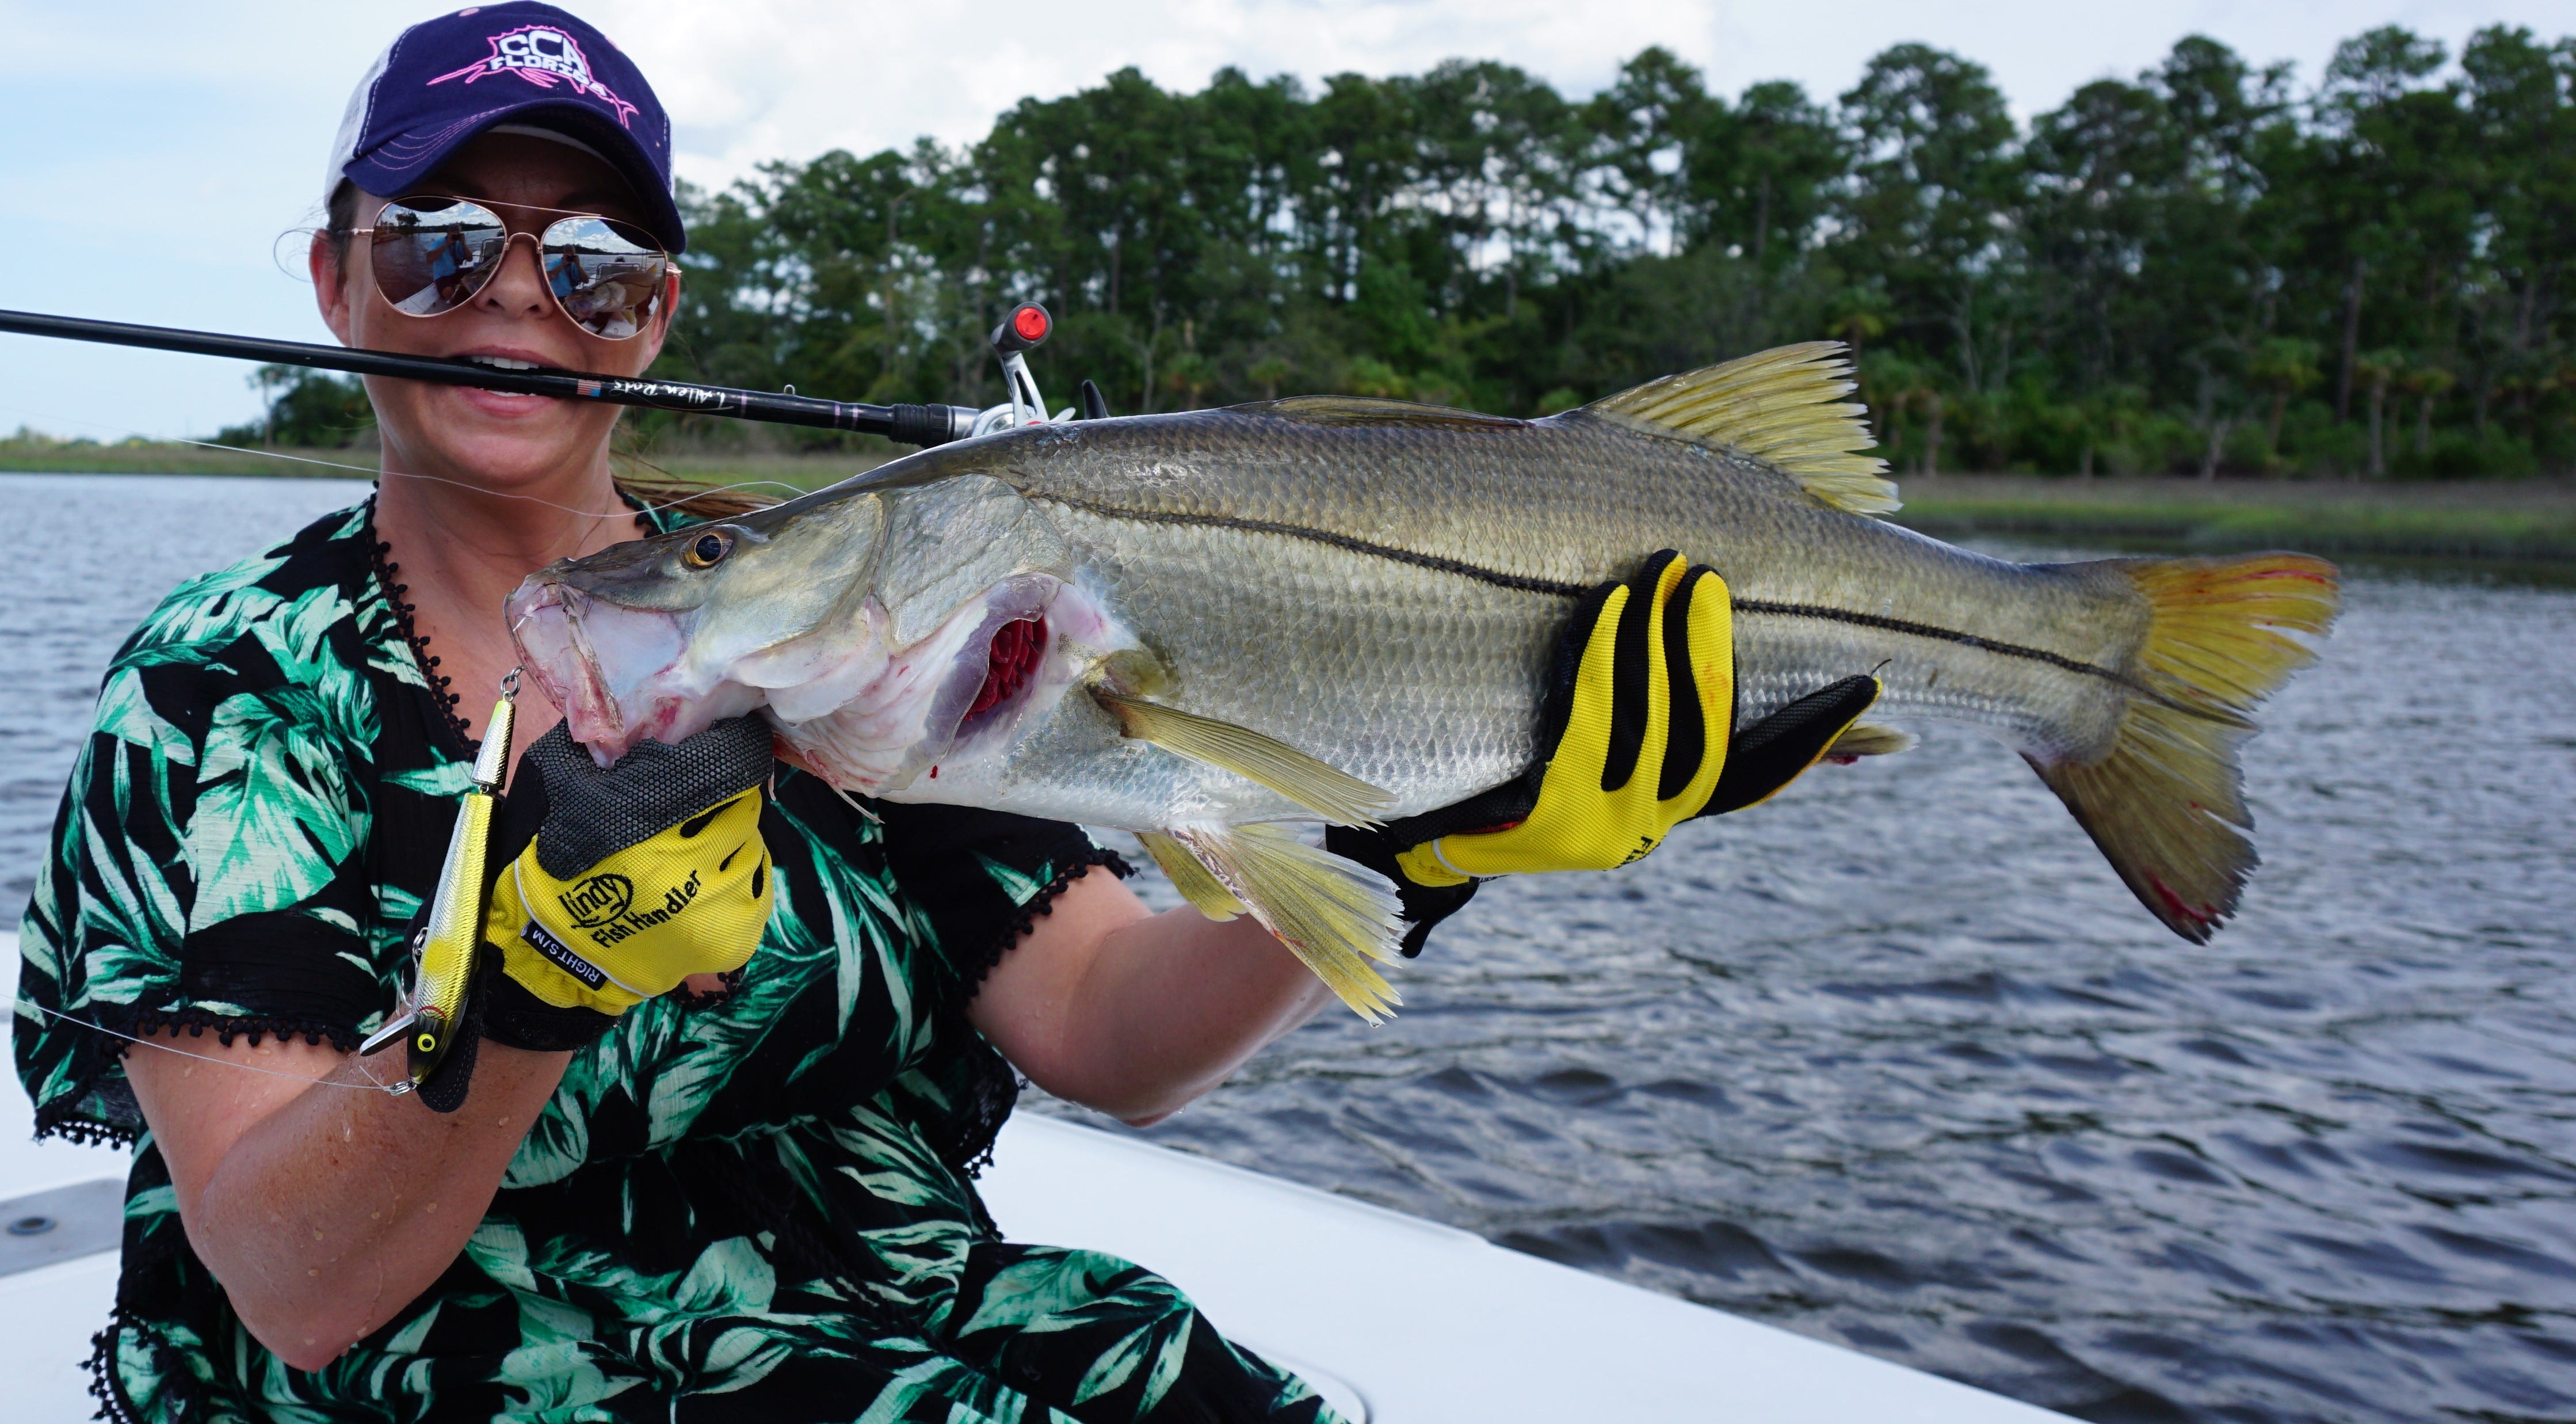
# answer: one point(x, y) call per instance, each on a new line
point(157, 148)
point(798, 77)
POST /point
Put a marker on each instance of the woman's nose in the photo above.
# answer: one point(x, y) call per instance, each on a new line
point(519, 288)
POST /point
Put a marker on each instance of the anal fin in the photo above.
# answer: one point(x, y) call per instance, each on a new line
point(1333, 914)
point(1329, 792)
point(1191, 878)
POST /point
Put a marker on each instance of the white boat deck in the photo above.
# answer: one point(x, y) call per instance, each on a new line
point(1396, 1319)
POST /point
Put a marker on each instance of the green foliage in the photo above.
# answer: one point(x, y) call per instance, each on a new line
point(32, 452)
point(2534, 527)
point(2204, 269)
point(307, 409)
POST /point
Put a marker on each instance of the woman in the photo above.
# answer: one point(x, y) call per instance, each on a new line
point(748, 1197)
point(748, 1204)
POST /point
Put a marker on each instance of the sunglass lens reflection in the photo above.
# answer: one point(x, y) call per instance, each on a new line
point(608, 277)
point(433, 258)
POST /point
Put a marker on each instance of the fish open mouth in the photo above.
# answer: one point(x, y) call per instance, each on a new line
point(545, 621)
point(871, 716)
point(614, 671)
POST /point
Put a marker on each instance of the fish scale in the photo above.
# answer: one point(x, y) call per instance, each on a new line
point(1329, 608)
point(1755, 526)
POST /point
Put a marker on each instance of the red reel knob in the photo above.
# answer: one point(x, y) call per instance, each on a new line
point(1026, 326)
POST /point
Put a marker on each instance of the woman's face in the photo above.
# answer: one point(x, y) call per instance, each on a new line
point(484, 438)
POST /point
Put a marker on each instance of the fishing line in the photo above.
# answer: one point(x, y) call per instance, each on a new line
point(502, 494)
point(275, 455)
point(550, 504)
point(332, 1079)
point(376, 471)
point(873, 818)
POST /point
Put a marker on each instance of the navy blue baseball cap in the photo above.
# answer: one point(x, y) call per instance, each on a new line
point(518, 66)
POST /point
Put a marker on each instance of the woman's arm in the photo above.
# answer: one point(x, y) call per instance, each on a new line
point(1112, 1006)
point(321, 1210)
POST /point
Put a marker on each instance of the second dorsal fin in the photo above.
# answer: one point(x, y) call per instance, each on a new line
point(1783, 407)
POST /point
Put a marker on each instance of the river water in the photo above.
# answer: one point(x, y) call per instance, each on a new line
point(1894, 1060)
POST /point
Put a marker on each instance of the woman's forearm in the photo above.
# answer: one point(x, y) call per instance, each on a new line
point(1180, 1002)
point(323, 1211)
point(1136, 1014)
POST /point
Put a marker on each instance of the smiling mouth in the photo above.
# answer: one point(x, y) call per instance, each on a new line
point(503, 363)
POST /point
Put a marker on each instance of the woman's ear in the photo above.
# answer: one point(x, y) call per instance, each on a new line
point(330, 282)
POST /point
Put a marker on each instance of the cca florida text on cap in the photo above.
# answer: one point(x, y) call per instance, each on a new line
point(518, 65)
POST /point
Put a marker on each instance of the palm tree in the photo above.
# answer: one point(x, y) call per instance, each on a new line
point(1268, 372)
point(2376, 369)
point(2426, 383)
point(1858, 314)
point(2284, 366)
point(1892, 386)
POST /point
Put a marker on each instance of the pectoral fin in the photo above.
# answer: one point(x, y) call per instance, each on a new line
point(1333, 914)
point(1335, 795)
point(1191, 878)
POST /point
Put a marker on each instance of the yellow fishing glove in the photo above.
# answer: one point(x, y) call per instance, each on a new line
point(638, 875)
point(1636, 735)
point(1631, 756)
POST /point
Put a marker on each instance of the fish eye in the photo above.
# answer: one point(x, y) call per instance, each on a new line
point(706, 550)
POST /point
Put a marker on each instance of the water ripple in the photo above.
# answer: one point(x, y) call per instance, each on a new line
point(1894, 1060)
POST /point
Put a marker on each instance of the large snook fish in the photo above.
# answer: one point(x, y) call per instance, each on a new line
point(1200, 626)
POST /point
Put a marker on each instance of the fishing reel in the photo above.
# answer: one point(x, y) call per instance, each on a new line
point(1025, 330)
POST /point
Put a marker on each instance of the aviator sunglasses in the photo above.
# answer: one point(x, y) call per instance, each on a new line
point(431, 255)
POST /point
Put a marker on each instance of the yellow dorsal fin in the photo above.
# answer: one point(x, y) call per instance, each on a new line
point(1783, 407)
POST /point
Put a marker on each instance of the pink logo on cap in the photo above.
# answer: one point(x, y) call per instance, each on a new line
point(541, 55)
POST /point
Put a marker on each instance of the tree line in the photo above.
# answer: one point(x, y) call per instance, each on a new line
point(2210, 268)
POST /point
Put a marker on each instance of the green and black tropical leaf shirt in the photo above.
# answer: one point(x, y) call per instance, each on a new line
point(754, 1207)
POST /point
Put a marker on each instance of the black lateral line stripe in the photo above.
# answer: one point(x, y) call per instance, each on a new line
point(1496, 577)
point(1526, 584)
point(1927, 630)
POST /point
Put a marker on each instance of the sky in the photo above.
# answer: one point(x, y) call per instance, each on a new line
point(161, 155)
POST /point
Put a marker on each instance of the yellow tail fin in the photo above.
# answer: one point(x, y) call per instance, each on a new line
point(2166, 805)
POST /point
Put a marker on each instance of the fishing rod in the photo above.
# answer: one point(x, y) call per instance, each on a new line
point(904, 424)
point(441, 969)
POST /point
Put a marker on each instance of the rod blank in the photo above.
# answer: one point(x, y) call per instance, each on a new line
point(905, 424)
